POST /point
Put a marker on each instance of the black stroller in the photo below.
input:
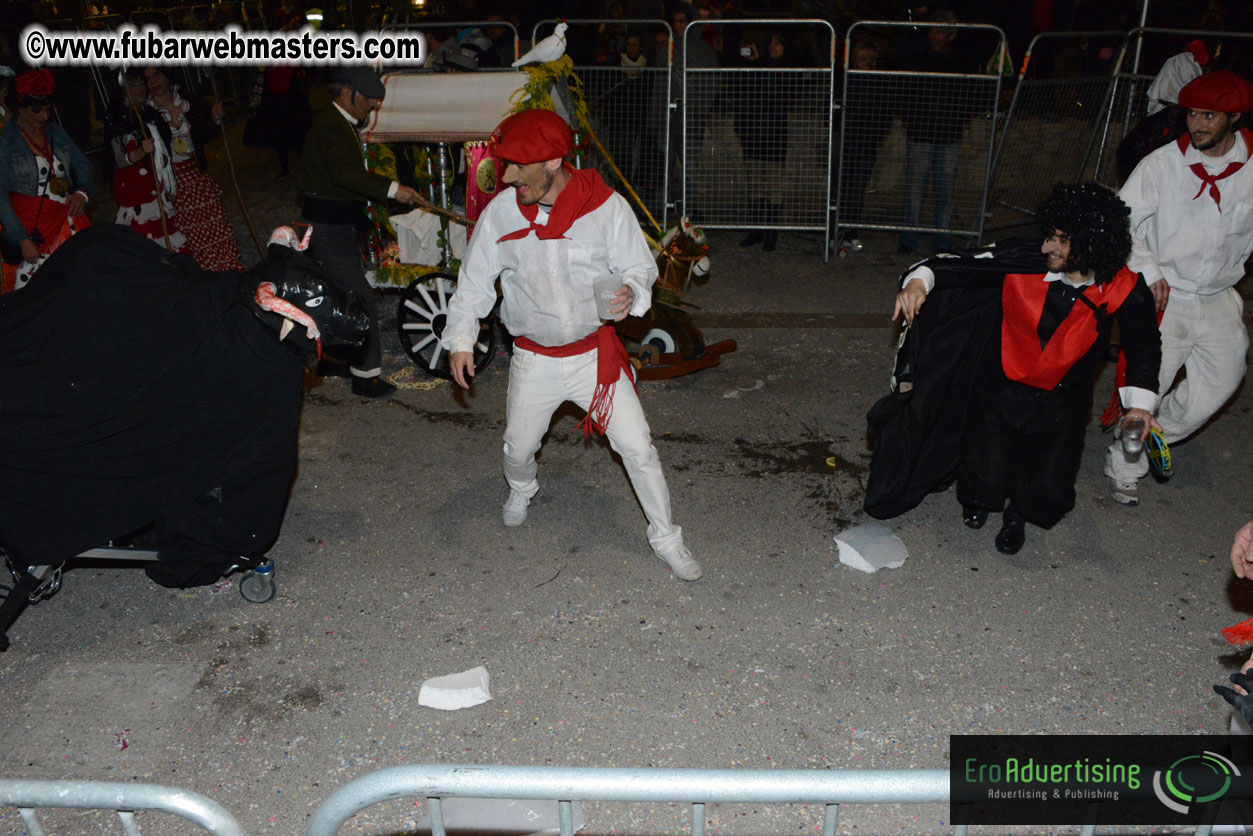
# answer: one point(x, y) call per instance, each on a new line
point(149, 410)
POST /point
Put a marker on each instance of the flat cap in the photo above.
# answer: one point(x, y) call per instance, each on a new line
point(362, 79)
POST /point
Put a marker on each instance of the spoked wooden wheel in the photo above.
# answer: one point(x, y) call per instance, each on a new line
point(420, 320)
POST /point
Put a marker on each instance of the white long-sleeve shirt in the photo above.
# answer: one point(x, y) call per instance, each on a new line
point(1191, 244)
point(547, 285)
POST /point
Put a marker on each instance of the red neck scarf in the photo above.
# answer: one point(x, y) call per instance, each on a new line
point(585, 192)
point(1208, 180)
point(611, 361)
point(1022, 356)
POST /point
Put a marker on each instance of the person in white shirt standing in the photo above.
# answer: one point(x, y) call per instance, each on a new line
point(1192, 230)
point(548, 237)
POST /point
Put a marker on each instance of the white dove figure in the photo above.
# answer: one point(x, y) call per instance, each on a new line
point(549, 49)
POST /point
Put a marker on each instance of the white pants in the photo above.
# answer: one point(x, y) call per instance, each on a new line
point(538, 385)
point(1204, 335)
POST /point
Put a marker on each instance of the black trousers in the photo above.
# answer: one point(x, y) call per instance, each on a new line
point(335, 245)
point(1024, 445)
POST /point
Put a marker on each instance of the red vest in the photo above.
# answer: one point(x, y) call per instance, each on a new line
point(1022, 298)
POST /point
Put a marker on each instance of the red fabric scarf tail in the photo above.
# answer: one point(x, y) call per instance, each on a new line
point(1210, 181)
point(585, 193)
point(611, 361)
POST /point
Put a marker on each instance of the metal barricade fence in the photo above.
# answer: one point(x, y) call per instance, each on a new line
point(565, 785)
point(1055, 119)
point(628, 106)
point(916, 146)
point(756, 139)
point(1146, 50)
point(436, 783)
point(125, 799)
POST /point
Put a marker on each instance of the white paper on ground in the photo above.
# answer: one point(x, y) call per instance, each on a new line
point(502, 815)
point(871, 547)
point(456, 690)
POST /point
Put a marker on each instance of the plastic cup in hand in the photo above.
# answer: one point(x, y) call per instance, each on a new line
point(605, 288)
point(1133, 437)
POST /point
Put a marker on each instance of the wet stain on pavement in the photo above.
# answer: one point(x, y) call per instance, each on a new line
point(305, 698)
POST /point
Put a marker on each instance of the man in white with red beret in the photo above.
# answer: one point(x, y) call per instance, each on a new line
point(547, 238)
point(1192, 230)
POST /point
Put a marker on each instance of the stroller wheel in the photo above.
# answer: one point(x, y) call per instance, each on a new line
point(257, 585)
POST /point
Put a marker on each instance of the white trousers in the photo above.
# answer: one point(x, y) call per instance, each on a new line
point(538, 385)
point(1205, 336)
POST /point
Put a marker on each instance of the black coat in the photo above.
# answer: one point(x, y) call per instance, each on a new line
point(132, 384)
point(952, 356)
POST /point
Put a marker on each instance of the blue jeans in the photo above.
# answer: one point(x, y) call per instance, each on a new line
point(930, 164)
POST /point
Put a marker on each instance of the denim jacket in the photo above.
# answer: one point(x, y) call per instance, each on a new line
point(18, 172)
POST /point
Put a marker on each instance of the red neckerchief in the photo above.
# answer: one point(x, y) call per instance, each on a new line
point(1022, 300)
point(611, 361)
point(1211, 180)
point(585, 192)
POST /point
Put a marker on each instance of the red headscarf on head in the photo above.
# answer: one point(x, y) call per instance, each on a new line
point(34, 84)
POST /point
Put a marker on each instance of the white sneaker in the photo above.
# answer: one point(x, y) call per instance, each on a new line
point(679, 558)
point(514, 512)
point(1124, 492)
point(855, 245)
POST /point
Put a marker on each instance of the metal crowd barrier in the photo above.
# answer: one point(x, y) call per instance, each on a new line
point(1147, 49)
point(1055, 118)
point(936, 185)
point(126, 799)
point(629, 107)
point(829, 789)
point(565, 785)
point(737, 171)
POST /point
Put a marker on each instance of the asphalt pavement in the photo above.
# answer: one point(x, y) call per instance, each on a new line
point(393, 567)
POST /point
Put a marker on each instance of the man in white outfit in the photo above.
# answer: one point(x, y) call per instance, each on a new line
point(1192, 230)
point(547, 238)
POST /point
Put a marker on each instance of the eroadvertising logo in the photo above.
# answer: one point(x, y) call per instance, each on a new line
point(1174, 790)
point(1089, 779)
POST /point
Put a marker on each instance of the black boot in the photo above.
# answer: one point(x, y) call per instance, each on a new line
point(1013, 531)
point(772, 238)
point(752, 239)
point(974, 517)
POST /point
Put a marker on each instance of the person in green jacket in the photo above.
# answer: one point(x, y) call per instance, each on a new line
point(336, 186)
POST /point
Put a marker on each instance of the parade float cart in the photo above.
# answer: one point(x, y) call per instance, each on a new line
point(436, 111)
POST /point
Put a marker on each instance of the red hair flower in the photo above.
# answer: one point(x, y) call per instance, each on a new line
point(34, 83)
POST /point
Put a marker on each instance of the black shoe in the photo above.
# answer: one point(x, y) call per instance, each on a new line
point(752, 239)
point(371, 387)
point(331, 368)
point(974, 517)
point(771, 238)
point(1013, 532)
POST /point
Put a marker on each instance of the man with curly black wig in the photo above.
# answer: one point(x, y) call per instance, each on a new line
point(999, 368)
point(1192, 231)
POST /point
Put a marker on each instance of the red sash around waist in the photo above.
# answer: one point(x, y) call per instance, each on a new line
point(611, 361)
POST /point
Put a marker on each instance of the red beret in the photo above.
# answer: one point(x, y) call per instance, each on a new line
point(1220, 92)
point(1199, 53)
point(532, 136)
